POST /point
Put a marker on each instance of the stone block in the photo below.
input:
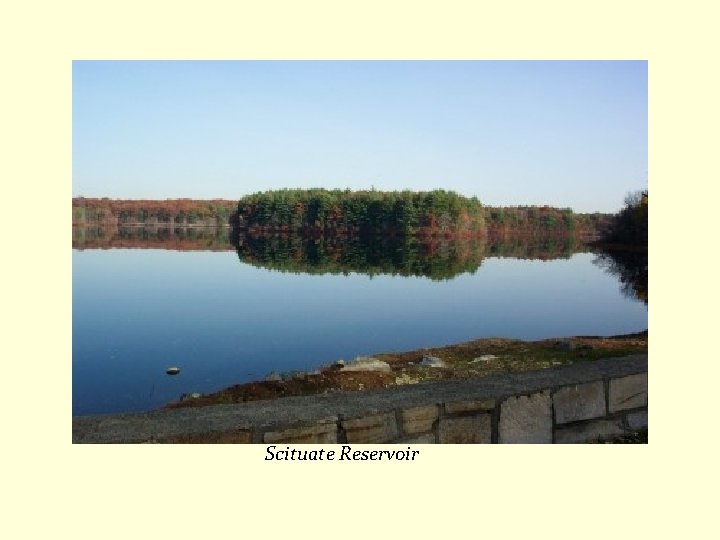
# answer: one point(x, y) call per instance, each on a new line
point(628, 392)
point(637, 420)
point(579, 402)
point(526, 419)
point(591, 431)
point(456, 407)
point(466, 430)
point(225, 437)
point(419, 419)
point(427, 438)
point(325, 432)
point(376, 428)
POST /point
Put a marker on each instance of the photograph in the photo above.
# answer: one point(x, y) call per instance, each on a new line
point(359, 252)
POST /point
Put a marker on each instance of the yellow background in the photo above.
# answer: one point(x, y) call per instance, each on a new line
point(52, 488)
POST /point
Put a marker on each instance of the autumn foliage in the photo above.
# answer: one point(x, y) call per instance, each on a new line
point(215, 212)
point(319, 212)
point(435, 213)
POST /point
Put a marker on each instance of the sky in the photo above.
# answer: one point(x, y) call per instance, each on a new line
point(562, 133)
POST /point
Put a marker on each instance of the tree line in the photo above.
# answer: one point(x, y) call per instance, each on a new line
point(321, 211)
point(630, 225)
point(93, 211)
point(402, 212)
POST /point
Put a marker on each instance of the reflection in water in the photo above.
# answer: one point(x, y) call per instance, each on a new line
point(431, 257)
point(186, 238)
point(631, 268)
point(435, 258)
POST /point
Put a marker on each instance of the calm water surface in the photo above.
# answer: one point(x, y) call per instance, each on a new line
point(228, 317)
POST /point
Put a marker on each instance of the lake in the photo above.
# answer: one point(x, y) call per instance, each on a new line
point(231, 311)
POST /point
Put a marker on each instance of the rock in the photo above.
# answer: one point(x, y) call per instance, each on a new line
point(484, 358)
point(174, 370)
point(366, 363)
point(273, 377)
point(432, 361)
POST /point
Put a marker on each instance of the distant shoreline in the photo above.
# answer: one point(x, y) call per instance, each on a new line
point(157, 225)
point(336, 212)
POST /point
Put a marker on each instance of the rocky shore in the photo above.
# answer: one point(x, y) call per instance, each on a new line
point(472, 359)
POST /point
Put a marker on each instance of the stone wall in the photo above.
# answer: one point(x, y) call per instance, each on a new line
point(569, 404)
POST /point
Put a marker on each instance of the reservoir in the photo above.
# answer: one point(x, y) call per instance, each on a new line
point(227, 312)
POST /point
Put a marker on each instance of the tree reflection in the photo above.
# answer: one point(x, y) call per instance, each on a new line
point(179, 238)
point(422, 256)
point(434, 258)
point(631, 268)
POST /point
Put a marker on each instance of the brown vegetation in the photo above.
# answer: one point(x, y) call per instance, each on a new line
point(91, 211)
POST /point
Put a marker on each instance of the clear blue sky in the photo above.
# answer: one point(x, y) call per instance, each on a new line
point(568, 134)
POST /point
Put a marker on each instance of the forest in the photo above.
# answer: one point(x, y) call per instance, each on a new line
point(344, 212)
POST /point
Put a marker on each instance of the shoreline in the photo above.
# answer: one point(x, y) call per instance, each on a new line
point(474, 359)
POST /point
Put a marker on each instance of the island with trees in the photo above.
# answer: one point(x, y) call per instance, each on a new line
point(402, 213)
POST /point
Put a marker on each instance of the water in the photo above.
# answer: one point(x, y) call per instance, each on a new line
point(226, 317)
